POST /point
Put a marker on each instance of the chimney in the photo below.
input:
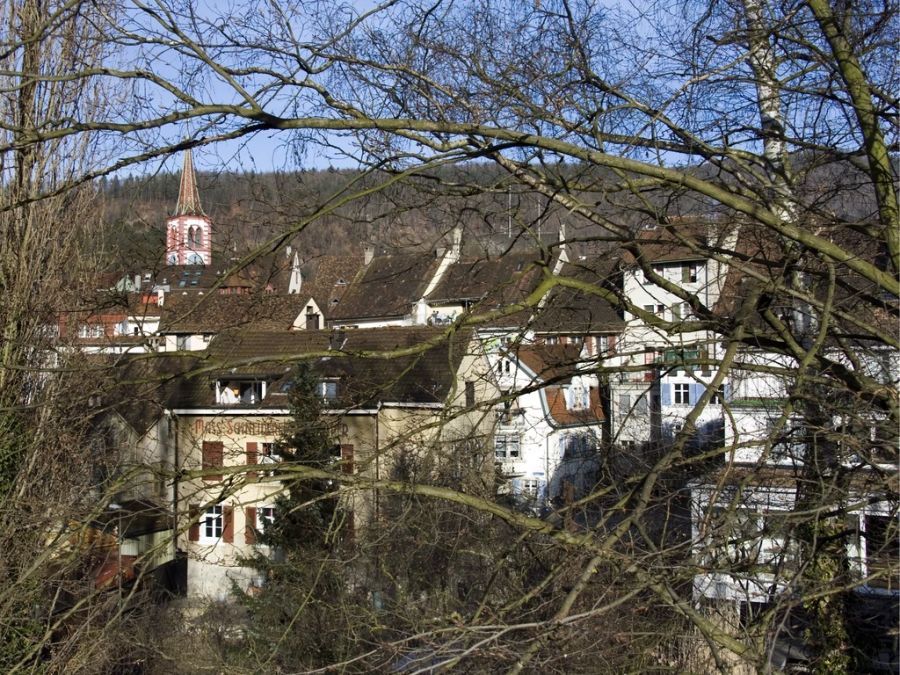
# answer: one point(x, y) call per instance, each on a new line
point(137, 282)
point(160, 297)
point(457, 243)
point(368, 254)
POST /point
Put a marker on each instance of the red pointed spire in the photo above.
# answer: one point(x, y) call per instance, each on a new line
point(188, 195)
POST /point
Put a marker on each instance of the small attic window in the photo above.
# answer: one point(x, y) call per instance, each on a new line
point(341, 282)
point(328, 390)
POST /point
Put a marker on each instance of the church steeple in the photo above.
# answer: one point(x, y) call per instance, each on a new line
point(188, 195)
point(189, 229)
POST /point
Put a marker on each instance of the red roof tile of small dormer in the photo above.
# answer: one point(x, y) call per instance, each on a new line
point(562, 416)
point(551, 362)
point(667, 244)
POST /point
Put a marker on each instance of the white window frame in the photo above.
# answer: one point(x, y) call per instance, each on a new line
point(212, 526)
point(502, 449)
point(530, 487)
point(265, 514)
point(681, 394)
point(323, 388)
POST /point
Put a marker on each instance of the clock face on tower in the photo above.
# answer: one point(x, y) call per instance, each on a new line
point(172, 259)
point(195, 259)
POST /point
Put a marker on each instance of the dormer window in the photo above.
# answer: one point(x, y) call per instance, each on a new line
point(237, 392)
point(578, 396)
point(328, 390)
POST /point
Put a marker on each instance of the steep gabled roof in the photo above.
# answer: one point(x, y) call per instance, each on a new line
point(388, 287)
point(327, 278)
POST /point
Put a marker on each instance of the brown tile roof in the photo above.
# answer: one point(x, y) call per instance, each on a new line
point(481, 279)
point(562, 416)
point(269, 270)
point(361, 360)
point(214, 313)
point(551, 362)
point(664, 243)
point(143, 387)
point(571, 310)
point(327, 278)
point(388, 287)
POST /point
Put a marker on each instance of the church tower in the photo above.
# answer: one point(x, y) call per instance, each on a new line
point(189, 229)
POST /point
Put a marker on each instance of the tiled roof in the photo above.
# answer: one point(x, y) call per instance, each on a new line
point(361, 360)
point(267, 270)
point(664, 244)
point(571, 310)
point(213, 313)
point(388, 287)
point(551, 362)
point(476, 280)
point(144, 387)
point(327, 278)
point(563, 416)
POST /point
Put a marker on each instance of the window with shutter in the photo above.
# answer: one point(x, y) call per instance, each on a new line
point(347, 458)
point(470, 394)
point(211, 525)
point(228, 524)
point(696, 391)
point(250, 525)
point(252, 457)
point(213, 458)
point(194, 530)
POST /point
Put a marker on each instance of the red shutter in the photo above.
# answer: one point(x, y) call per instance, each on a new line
point(194, 531)
point(347, 458)
point(252, 454)
point(228, 525)
point(213, 458)
point(611, 344)
point(250, 525)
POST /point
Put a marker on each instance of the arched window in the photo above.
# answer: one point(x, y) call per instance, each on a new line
point(192, 236)
point(198, 236)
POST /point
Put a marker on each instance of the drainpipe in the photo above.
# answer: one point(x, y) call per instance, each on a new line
point(377, 457)
point(172, 420)
point(547, 468)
